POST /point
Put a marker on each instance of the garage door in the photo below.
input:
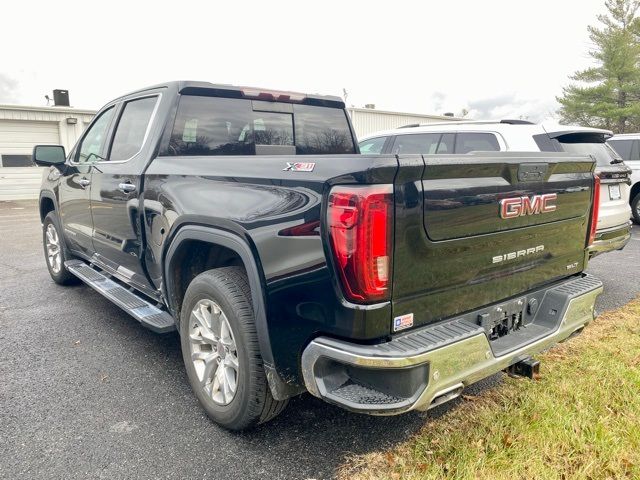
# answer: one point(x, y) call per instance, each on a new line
point(19, 137)
point(18, 180)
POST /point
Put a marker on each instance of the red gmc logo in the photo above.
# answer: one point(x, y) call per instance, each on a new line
point(521, 206)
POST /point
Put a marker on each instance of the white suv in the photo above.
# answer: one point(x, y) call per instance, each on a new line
point(614, 227)
point(628, 146)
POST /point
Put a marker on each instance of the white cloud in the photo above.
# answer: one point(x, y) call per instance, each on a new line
point(512, 106)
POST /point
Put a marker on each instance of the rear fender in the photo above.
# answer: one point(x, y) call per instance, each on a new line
point(233, 242)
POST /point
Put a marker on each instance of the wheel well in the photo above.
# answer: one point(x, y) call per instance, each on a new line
point(635, 190)
point(46, 206)
point(191, 259)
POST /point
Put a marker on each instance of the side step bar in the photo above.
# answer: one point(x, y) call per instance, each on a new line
point(146, 313)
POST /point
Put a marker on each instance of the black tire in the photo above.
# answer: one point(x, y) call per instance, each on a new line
point(60, 275)
point(635, 208)
point(252, 402)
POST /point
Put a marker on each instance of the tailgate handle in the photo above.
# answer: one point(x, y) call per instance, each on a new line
point(532, 172)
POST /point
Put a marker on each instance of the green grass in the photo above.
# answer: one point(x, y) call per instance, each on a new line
point(580, 420)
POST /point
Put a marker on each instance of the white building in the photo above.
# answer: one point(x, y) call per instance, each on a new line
point(21, 128)
point(369, 120)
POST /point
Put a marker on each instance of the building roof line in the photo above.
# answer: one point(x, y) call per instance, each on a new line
point(50, 109)
point(408, 114)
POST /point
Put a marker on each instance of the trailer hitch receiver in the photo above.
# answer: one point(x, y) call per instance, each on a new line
point(528, 367)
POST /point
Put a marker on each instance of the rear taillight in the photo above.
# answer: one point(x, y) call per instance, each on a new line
point(594, 209)
point(360, 223)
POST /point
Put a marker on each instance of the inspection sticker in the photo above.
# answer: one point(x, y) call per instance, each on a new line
point(402, 322)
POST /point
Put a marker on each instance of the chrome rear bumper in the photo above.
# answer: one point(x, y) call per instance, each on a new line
point(433, 364)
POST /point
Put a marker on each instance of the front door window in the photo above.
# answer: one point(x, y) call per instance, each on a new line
point(91, 147)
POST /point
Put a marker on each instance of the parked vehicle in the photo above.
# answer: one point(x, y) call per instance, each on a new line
point(628, 147)
point(248, 221)
point(614, 227)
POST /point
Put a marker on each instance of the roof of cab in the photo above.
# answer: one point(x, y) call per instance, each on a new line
point(194, 87)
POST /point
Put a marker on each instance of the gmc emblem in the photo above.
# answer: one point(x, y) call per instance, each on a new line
point(521, 206)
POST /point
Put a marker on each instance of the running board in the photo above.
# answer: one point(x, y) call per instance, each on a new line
point(146, 313)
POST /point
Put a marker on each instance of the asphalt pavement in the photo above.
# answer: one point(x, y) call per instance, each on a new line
point(85, 391)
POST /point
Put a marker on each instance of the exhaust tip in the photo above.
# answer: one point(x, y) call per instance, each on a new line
point(446, 395)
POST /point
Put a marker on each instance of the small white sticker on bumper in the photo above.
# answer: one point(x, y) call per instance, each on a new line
point(402, 322)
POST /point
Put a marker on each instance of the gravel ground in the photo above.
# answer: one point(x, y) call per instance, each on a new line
point(85, 391)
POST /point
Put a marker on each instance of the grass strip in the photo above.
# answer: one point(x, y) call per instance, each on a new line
point(580, 420)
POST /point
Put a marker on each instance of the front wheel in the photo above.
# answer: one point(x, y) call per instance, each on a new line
point(221, 353)
point(54, 251)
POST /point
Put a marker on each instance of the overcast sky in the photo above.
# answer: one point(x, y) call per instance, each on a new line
point(496, 58)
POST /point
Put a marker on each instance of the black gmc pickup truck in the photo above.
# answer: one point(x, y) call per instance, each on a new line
point(248, 221)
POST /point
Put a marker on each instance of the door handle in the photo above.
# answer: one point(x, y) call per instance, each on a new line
point(126, 187)
point(84, 182)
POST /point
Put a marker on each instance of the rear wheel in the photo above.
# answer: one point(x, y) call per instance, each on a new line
point(55, 252)
point(221, 353)
point(635, 208)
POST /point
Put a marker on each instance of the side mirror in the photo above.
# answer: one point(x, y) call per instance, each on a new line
point(48, 155)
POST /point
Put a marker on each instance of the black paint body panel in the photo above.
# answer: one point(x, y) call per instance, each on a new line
point(255, 199)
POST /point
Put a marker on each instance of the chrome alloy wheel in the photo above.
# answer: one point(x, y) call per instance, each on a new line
point(213, 351)
point(52, 241)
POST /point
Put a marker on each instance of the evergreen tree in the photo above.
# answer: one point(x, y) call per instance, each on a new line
point(608, 94)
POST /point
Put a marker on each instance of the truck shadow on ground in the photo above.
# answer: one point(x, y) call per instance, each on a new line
point(310, 433)
point(337, 433)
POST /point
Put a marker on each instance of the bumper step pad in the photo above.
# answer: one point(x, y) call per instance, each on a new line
point(359, 394)
point(145, 312)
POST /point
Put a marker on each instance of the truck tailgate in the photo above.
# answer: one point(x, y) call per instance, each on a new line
point(476, 229)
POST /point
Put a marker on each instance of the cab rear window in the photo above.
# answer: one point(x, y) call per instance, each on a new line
point(230, 126)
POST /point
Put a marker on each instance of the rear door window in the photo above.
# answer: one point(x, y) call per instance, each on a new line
point(229, 126)
point(425, 143)
point(372, 145)
point(476, 142)
point(132, 128)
